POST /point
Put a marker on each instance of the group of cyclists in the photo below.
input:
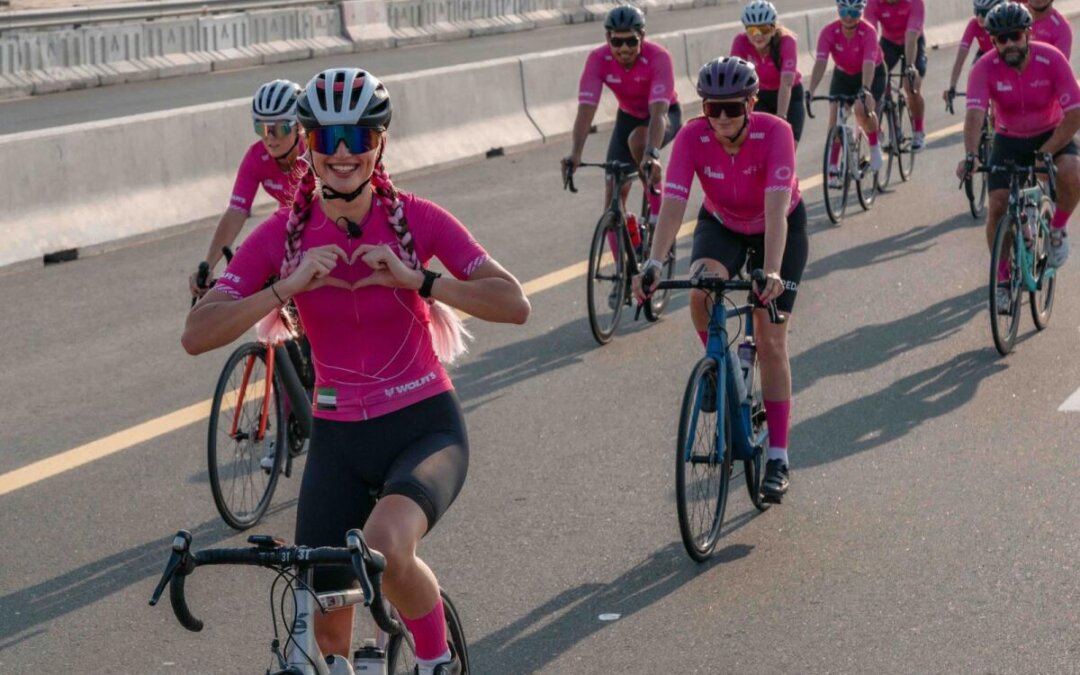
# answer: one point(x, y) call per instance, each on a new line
point(389, 450)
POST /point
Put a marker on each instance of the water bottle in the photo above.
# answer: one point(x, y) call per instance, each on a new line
point(747, 354)
point(1029, 221)
point(339, 665)
point(635, 232)
point(369, 660)
point(740, 382)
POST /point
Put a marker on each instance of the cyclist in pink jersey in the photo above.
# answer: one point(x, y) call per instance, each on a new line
point(860, 70)
point(745, 162)
point(642, 77)
point(1036, 104)
point(902, 33)
point(1049, 26)
point(352, 251)
point(270, 162)
point(774, 51)
point(974, 33)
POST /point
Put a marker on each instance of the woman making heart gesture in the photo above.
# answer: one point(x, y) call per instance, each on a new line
point(352, 252)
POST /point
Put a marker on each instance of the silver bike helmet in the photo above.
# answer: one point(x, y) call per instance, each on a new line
point(275, 101)
point(759, 13)
point(344, 96)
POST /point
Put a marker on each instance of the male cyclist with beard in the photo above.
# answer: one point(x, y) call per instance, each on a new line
point(1036, 104)
point(642, 77)
point(270, 162)
point(902, 33)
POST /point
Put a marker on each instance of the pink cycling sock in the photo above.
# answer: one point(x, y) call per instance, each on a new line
point(778, 417)
point(704, 335)
point(1003, 270)
point(654, 205)
point(872, 137)
point(611, 241)
point(834, 154)
point(917, 124)
point(429, 632)
point(1060, 219)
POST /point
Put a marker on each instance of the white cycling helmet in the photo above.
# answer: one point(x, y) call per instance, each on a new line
point(275, 101)
point(851, 4)
point(348, 96)
point(759, 13)
point(986, 5)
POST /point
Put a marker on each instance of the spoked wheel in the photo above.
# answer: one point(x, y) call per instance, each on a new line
point(400, 658)
point(239, 437)
point(866, 179)
point(754, 468)
point(889, 144)
point(659, 300)
point(1004, 325)
point(837, 179)
point(904, 136)
point(1042, 300)
point(702, 468)
point(607, 282)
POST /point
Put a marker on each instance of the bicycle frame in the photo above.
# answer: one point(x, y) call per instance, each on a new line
point(279, 360)
point(1019, 199)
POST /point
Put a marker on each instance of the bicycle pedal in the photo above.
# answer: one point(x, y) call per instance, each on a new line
point(771, 498)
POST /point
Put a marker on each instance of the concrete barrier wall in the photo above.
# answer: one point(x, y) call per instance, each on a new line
point(551, 91)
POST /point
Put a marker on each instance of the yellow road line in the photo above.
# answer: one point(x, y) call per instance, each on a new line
point(122, 440)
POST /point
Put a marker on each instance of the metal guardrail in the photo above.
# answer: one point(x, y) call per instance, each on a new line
point(139, 11)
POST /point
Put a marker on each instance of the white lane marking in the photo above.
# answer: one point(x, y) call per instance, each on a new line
point(1071, 404)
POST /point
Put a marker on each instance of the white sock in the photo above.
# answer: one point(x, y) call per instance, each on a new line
point(428, 666)
point(778, 453)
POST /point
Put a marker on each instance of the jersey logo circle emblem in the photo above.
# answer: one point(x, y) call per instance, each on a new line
point(783, 173)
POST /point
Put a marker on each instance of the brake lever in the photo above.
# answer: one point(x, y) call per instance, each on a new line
point(758, 277)
point(181, 545)
point(568, 178)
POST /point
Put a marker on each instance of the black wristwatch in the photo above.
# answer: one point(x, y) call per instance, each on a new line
point(429, 280)
point(652, 152)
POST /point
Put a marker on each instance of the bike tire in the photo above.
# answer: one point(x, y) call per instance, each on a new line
point(836, 197)
point(243, 490)
point(606, 272)
point(658, 302)
point(1041, 300)
point(400, 659)
point(866, 179)
point(702, 499)
point(754, 468)
point(905, 133)
point(1004, 327)
point(888, 116)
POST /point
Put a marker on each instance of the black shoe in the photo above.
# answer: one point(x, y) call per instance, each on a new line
point(775, 485)
point(708, 395)
point(451, 667)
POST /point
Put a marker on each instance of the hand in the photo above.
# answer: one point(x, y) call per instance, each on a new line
point(571, 162)
point(193, 285)
point(774, 288)
point(637, 282)
point(313, 271)
point(911, 71)
point(652, 170)
point(389, 270)
point(948, 94)
point(962, 168)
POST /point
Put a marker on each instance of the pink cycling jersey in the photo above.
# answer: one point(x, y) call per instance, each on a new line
point(768, 73)
point(649, 80)
point(1054, 29)
point(371, 345)
point(976, 33)
point(259, 168)
point(1029, 103)
point(896, 19)
point(735, 186)
point(849, 53)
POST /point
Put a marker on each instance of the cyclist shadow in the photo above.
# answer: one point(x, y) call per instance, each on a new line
point(867, 347)
point(35, 605)
point(533, 642)
point(891, 413)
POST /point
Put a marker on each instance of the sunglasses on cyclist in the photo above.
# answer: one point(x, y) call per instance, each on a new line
point(631, 41)
point(325, 140)
point(732, 109)
point(755, 31)
point(1006, 38)
point(273, 129)
point(850, 13)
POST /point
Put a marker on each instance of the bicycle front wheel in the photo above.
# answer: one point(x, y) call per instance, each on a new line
point(905, 133)
point(702, 462)
point(1042, 299)
point(1005, 320)
point(607, 282)
point(837, 179)
point(400, 658)
point(754, 468)
point(244, 428)
point(866, 179)
point(890, 141)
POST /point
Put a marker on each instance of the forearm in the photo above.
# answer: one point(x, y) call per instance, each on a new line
point(973, 130)
point(958, 67)
point(582, 124)
point(499, 299)
point(783, 97)
point(776, 210)
point(218, 319)
point(911, 46)
point(1063, 133)
point(657, 124)
point(228, 229)
point(868, 75)
point(817, 74)
point(667, 226)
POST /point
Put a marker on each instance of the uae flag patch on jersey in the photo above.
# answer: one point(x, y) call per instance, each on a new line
point(326, 398)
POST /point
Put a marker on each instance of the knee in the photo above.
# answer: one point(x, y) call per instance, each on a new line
point(772, 346)
point(395, 545)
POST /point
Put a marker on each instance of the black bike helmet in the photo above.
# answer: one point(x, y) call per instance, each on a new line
point(1006, 17)
point(344, 96)
point(726, 77)
point(624, 18)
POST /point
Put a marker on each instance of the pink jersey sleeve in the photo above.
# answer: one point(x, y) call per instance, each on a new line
point(789, 54)
point(969, 34)
point(780, 164)
point(824, 43)
point(256, 260)
point(662, 86)
point(591, 85)
point(978, 86)
point(1064, 35)
point(247, 180)
point(679, 176)
point(917, 18)
point(440, 234)
point(870, 46)
point(1067, 89)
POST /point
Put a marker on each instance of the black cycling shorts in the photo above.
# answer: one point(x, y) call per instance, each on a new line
point(796, 112)
point(1022, 151)
point(420, 452)
point(850, 85)
point(625, 123)
point(730, 249)
point(892, 53)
